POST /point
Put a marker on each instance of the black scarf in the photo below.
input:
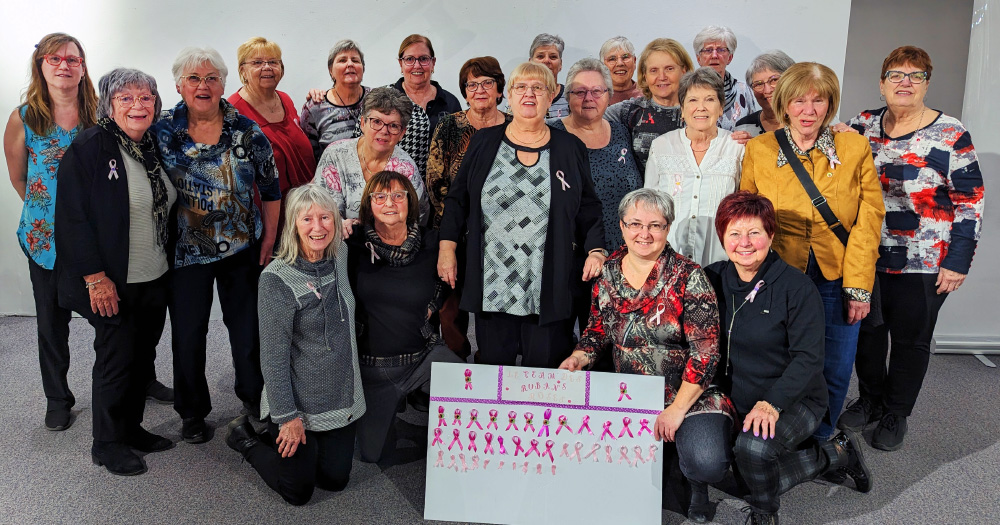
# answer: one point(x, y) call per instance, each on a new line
point(729, 88)
point(394, 255)
point(146, 154)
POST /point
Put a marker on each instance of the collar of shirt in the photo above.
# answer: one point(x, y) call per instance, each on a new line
point(824, 143)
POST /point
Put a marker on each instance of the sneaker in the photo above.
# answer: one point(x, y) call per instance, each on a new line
point(890, 432)
point(59, 419)
point(853, 461)
point(859, 414)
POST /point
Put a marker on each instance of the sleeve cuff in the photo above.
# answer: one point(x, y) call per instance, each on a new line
point(857, 294)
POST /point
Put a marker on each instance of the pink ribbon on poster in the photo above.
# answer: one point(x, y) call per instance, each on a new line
point(465, 468)
point(458, 417)
point(528, 418)
point(538, 469)
point(486, 463)
point(562, 179)
point(545, 422)
point(475, 462)
point(500, 466)
point(457, 439)
point(563, 423)
point(585, 425)
point(624, 456)
point(437, 437)
point(625, 421)
point(534, 447)
point(468, 379)
point(493, 420)
point(472, 441)
point(638, 456)
point(474, 418)
point(553, 470)
point(512, 420)
point(565, 451)
point(524, 469)
point(593, 451)
point(441, 420)
point(500, 442)
point(519, 448)
point(440, 460)
point(652, 453)
point(607, 453)
point(548, 450)
point(577, 452)
point(623, 391)
point(488, 449)
point(645, 426)
point(452, 464)
point(607, 431)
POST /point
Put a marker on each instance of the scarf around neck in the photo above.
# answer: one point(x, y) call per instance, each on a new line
point(394, 255)
point(145, 153)
point(729, 88)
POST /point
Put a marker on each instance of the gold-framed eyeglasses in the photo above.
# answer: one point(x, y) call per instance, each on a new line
point(195, 80)
point(379, 197)
point(636, 227)
point(127, 101)
point(771, 81)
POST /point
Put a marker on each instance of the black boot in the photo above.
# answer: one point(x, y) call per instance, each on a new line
point(847, 458)
point(700, 507)
point(117, 458)
point(145, 441)
point(242, 437)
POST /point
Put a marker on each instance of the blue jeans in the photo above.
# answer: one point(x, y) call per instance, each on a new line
point(841, 347)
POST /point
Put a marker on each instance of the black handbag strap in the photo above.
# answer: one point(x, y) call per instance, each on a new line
point(817, 198)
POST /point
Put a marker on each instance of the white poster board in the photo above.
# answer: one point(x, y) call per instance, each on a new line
point(511, 445)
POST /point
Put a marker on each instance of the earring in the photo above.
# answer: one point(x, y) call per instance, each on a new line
point(881, 97)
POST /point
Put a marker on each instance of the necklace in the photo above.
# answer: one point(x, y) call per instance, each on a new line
point(364, 163)
point(698, 150)
point(343, 101)
point(528, 143)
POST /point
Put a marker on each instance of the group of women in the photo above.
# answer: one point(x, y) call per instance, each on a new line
point(719, 233)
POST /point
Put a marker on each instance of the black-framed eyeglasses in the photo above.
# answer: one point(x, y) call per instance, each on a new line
point(596, 92)
point(709, 51)
point(423, 60)
point(916, 77)
point(636, 227)
point(377, 124)
point(195, 81)
point(771, 81)
point(257, 64)
point(127, 101)
point(71, 60)
point(379, 197)
point(474, 86)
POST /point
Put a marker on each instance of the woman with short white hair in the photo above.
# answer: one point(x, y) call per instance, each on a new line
point(714, 47)
point(618, 54)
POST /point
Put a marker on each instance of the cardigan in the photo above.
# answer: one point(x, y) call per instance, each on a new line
point(575, 217)
point(772, 346)
point(852, 190)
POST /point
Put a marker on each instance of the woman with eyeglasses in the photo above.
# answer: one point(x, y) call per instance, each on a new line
point(523, 205)
point(430, 100)
point(392, 266)
point(762, 77)
point(655, 312)
point(217, 160)
point(346, 166)
point(933, 191)
point(261, 69)
point(714, 47)
point(115, 209)
point(618, 54)
point(59, 103)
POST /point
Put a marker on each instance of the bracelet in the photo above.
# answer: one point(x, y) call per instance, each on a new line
point(93, 284)
point(602, 251)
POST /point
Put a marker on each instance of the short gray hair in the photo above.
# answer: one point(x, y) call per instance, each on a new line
point(653, 199)
point(386, 100)
point(590, 64)
point(297, 201)
point(617, 42)
point(774, 60)
point(705, 77)
point(546, 39)
point(190, 57)
point(344, 45)
point(116, 81)
point(711, 33)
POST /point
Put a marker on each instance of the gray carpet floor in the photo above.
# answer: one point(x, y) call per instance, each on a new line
point(947, 472)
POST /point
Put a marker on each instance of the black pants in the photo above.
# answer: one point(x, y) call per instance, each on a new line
point(910, 306)
point(501, 337)
point(190, 307)
point(323, 461)
point(126, 348)
point(53, 338)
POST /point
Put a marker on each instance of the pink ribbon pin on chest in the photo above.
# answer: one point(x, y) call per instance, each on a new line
point(622, 154)
point(655, 318)
point(562, 179)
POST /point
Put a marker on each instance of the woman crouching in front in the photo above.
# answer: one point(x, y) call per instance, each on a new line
point(309, 359)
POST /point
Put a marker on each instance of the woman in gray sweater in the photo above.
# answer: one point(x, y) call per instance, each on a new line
point(309, 358)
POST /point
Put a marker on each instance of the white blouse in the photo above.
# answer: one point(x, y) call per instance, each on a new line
point(695, 189)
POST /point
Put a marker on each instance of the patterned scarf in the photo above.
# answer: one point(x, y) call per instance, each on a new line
point(394, 255)
point(729, 88)
point(824, 143)
point(145, 152)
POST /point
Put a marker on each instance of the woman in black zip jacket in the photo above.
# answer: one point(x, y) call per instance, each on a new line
point(772, 341)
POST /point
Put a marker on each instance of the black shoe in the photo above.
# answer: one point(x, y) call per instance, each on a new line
point(859, 414)
point(59, 419)
point(700, 506)
point(834, 476)
point(194, 430)
point(759, 518)
point(252, 410)
point(852, 460)
point(157, 391)
point(890, 432)
point(117, 458)
point(242, 436)
point(145, 441)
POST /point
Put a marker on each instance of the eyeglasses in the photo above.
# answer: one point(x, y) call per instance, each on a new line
point(71, 60)
point(916, 77)
point(520, 89)
point(758, 85)
point(195, 81)
point(380, 197)
point(614, 58)
point(596, 92)
point(257, 64)
point(377, 124)
point(474, 86)
point(636, 227)
point(709, 51)
point(127, 101)
point(424, 60)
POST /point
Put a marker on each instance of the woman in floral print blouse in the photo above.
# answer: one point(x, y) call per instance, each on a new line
point(657, 311)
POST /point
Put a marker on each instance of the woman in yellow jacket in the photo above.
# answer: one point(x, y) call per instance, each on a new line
point(841, 168)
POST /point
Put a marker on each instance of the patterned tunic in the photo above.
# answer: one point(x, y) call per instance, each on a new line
point(645, 120)
point(751, 124)
point(933, 193)
point(339, 171)
point(740, 102)
point(216, 215)
point(451, 139)
point(515, 202)
point(325, 123)
point(668, 328)
point(35, 229)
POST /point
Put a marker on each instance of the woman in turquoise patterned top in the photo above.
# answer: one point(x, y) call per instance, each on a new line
point(59, 102)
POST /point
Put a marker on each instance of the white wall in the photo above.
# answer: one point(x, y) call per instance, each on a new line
point(147, 36)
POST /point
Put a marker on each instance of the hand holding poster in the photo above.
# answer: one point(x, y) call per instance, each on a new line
point(534, 445)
